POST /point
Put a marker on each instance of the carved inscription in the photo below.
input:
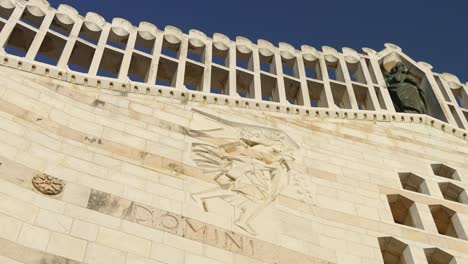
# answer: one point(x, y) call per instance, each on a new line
point(47, 184)
point(191, 229)
point(170, 222)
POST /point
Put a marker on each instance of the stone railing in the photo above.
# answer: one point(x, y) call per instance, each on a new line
point(61, 44)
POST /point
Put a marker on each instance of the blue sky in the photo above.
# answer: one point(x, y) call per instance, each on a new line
point(431, 31)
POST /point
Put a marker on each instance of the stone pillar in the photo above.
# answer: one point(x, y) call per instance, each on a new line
point(326, 83)
point(348, 83)
point(426, 218)
point(153, 71)
point(408, 256)
point(183, 51)
point(416, 253)
point(370, 84)
point(303, 79)
point(257, 81)
point(279, 78)
point(101, 45)
point(125, 66)
point(68, 49)
point(10, 25)
point(232, 65)
point(458, 222)
point(40, 35)
point(207, 58)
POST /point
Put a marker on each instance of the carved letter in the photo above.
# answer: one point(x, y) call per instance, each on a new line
point(230, 241)
point(142, 215)
point(195, 230)
point(250, 245)
point(169, 221)
point(212, 237)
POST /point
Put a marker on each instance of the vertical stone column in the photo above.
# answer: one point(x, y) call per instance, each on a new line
point(174, 36)
point(374, 63)
point(207, 58)
point(67, 50)
point(415, 254)
point(265, 49)
point(10, 25)
point(245, 46)
point(426, 218)
point(257, 82)
point(93, 69)
point(326, 82)
point(40, 35)
point(459, 221)
point(153, 71)
point(123, 72)
point(348, 83)
point(303, 80)
point(182, 59)
point(232, 65)
point(147, 32)
point(370, 85)
point(279, 78)
point(408, 256)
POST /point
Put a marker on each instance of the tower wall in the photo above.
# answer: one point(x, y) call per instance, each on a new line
point(97, 169)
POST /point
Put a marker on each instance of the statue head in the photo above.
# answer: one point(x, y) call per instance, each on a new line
point(399, 68)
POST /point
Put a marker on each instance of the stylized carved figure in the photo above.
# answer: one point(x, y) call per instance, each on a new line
point(406, 95)
point(47, 184)
point(252, 166)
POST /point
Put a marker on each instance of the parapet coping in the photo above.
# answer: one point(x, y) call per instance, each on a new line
point(87, 80)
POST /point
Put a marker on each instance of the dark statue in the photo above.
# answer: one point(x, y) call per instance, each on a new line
point(406, 95)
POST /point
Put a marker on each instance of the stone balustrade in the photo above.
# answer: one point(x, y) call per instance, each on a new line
point(60, 43)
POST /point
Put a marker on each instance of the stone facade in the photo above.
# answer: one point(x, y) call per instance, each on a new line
point(238, 170)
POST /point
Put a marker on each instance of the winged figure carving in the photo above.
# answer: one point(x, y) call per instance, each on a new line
point(251, 165)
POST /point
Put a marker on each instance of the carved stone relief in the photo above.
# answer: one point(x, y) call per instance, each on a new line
point(251, 164)
point(47, 184)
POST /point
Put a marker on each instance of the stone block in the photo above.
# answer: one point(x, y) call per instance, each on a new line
point(124, 241)
point(67, 246)
point(84, 230)
point(99, 254)
point(53, 221)
point(167, 254)
point(9, 227)
point(34, 237)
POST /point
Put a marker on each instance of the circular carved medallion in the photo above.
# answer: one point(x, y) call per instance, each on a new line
point(47, 184)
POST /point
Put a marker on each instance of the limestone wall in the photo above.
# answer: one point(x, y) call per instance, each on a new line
point(129, 178)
